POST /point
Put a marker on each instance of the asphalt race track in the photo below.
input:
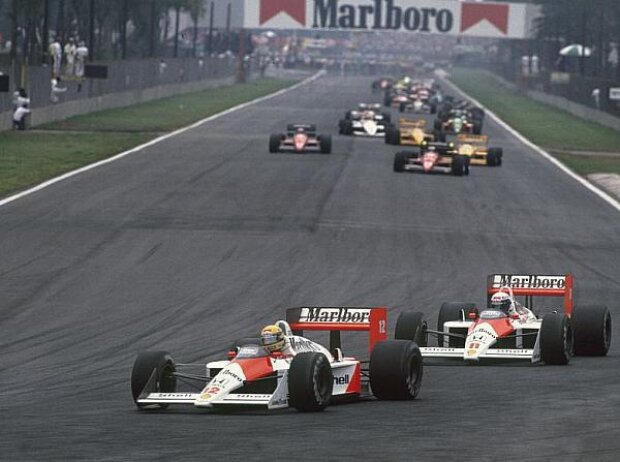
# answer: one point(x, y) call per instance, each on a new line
point(206, 237)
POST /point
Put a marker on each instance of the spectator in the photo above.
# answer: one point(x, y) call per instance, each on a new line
point(56, 90)
point(70, 54)
point(21, 110)
point(55, 52)
point(81, 53)
point(596, 96)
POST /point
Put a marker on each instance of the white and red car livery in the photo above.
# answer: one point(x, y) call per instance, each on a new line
point(366, 120)
point(300, 138)
point(468, 334)
point(304, 375)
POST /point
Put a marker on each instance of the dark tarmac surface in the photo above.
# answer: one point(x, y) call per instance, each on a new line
point(206, 237)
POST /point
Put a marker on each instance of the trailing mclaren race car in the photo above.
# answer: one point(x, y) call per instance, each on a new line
point(432, 157)
point(282, 368)
point(366, 120)
point(507, 330)
point(300, 138)
point(411, 133)
point(476, 147)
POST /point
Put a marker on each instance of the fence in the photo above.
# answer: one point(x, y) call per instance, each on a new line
point(123, 76)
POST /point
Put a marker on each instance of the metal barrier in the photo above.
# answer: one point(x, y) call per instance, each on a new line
point(122, 76)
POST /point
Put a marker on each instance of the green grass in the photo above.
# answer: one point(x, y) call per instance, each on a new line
point(548, 127)
point(30, 157)
point(586, 165)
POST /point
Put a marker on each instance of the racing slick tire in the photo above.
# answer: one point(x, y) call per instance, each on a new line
point(387, 100)
point(433, 109)
point(459, 165)
point(387, 117)
point(310, 382)
point(556, 339)
point(347, 115)
point(451, 311)
point(392, 135)
point(396, 370)
point(439, 135)
point(147, 362)
point(400, 160)
point(346, 127)
point(438, 125)
point(591, 330)
point(477, 127)
point(494, 157)
point(402, 107)
point(411, 325)
point(325, 143)
point(274, 142)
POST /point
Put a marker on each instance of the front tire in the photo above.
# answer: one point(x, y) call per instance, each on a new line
point(325, 143)
point(159, 363)
point(274, 142)
point(310, 382)
point(411, 325)
point(556, 339)
point(459, 165)
point(396, 370)
point(592, 330)
point(400, 160)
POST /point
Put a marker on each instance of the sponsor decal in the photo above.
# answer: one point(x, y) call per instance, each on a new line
point(474, 13)
point(296, 9)
point(380, 14)
point(303, 344)
point(481, 334)
point(248, 350)
point(528, 281)
point(344, 380)
point(205, 396)
point(173, 395)
point(230, 373)
point(335, 315)
point(471, 352)
point(213, 390)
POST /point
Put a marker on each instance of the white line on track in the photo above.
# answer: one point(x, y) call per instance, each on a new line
point(599, 192)
point(86, 168)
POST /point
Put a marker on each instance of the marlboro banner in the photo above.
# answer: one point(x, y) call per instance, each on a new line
point(480, 19)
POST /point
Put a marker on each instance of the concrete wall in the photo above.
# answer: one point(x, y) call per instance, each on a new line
point(68, 109)
point(578, 110)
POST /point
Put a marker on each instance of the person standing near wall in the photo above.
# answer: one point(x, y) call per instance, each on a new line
point(21, 110)
point(81, 53)
point(55, 52)
point(70, 53)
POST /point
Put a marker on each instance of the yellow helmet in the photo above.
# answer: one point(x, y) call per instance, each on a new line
point(272, 338)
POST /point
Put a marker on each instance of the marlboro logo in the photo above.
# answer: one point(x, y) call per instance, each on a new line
point(296, 9)
point(335, 315)
point(474, 13)
point(528, 281)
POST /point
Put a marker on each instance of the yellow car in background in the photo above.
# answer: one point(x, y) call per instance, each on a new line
point(411, 133)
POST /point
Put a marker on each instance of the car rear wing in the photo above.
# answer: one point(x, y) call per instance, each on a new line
point(306, 127)
point(530, 285)
point(473, 139)
point(409, 123)
point(337, 319)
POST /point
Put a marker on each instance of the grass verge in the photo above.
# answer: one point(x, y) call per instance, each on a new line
point(553, 129)
point(28, 158)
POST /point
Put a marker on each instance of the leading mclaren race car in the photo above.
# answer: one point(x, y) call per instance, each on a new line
point(300, 138)
point(507, 330)
point(283, 368)
point(366, 120)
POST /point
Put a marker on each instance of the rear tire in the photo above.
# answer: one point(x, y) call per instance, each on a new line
point(592, 330)
point(392, 136)
point(556, 339)
point(396, 370)
point(165, 382)
point(451, 311)
point(411, 325)
point(325, 143)
point(274, 142)
point(400, 160)
point(459, 165)
point(310, 382)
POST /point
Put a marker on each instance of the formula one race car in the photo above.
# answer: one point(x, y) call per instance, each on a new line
point(411, 133)
point(435, 157)
point(302, 374)
point(382, 84)
point(476, 147)
point(458, 121)
point(507, 330)
point(366, 120)
point(300, 138)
